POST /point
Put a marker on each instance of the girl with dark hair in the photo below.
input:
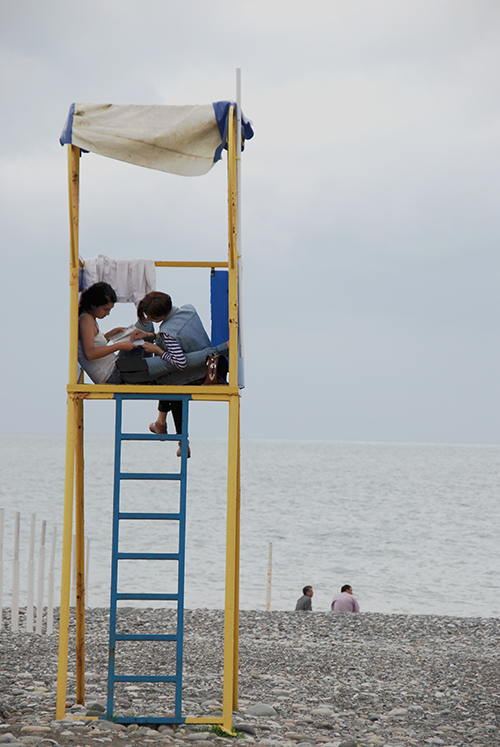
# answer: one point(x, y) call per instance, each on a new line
point(95, 356)
point(98, 359)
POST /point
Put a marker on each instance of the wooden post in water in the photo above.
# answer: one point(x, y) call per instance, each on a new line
point(1, 567)
point(269, 577)
point(72, 596)
point(50, 590)
point(30, 593)
point(14, 623)
point(87, 562)
point(41, 578)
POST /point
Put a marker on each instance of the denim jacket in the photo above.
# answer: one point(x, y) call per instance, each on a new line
point(186, 326)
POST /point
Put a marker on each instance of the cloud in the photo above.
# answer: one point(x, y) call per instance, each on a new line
point(369, 200)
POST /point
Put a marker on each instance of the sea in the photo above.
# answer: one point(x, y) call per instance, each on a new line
point(412, 527)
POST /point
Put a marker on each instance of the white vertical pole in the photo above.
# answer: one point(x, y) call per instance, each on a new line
point(50, 591)
point(241, 351)
point(73, 574)
point(87, 563)
point(1, 567)
point(30, 594)
point(15, 578)
point(41, 577)
point(269, 576)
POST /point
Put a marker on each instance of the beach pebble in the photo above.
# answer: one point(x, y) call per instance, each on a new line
point(36, 729)
point(104, 725)
point(330, 671)
point(398, 712)
point(247, 728)
point(261, 709)
point(297, 736)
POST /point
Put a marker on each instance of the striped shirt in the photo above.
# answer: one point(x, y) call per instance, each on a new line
point(173, 352)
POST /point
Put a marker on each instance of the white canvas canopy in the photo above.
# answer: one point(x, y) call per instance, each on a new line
point(185, 140)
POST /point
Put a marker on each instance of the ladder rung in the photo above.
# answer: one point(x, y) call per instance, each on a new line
point(147, 556)
point(145, 595)
point(154, 720)
point(145, 637)
point(166, 517)
point(150, 437)
point(149, 476)
point(144, 678)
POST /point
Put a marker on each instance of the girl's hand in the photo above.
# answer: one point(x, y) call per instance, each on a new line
point(150, 347)
point(138, 334)
point(125, 345)
point(113, 332)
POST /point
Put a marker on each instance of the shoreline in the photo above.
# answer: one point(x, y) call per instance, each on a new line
point(329, 678)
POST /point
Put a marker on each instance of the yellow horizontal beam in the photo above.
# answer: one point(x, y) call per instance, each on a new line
point(201, 720)
point(190, 264)
point(107, 391)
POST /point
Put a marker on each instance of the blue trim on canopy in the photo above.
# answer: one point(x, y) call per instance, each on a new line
point(221, 111)
point(65, 138)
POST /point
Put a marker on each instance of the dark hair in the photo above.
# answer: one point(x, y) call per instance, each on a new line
point(155, 305)
point(345, 587)
point(306, 589)
point(98, 294)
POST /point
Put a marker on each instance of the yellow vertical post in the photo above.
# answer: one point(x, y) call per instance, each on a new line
point(231, 618)
point(62, 669)
point(79, 556)
point(74, 197)
point(71, 425)
point(231, 597)
point(237, 566)
point(232, 183)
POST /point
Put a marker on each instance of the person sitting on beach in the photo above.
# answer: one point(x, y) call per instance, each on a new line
point(305, 601)
point(345, 602)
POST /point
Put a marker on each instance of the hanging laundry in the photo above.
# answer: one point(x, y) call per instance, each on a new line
point(131, 279)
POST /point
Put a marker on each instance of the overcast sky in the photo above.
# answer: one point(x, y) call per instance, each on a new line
point(369, 204)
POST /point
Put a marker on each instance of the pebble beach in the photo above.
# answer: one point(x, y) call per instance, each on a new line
point(335, 680)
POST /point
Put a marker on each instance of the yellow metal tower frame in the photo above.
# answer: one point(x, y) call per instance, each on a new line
point(73, 491)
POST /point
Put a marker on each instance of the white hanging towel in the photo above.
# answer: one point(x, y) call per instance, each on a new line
point(131, 279)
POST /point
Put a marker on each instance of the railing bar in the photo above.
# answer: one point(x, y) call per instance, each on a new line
point(145, 637)
point(147, 556)
point(149, 476)
point(144, 678)
point(152, 517)
point(146, 596)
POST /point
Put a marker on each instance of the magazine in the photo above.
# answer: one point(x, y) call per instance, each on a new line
point(125, 335)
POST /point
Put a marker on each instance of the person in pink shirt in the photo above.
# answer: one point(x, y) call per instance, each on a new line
point(345, 602)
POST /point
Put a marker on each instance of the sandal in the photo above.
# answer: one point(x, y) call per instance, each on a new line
point(179, 450)
point(157, 428)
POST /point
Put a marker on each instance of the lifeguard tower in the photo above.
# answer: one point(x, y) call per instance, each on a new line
point(184, 140)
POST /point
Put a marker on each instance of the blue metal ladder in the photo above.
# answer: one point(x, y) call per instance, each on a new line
point(117, 556)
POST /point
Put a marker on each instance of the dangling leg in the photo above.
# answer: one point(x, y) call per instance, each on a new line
point(176, 407)
point(160, 425)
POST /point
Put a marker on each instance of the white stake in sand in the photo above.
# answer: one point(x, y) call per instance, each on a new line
point(50, 590)
point(269, 576)
point(87, 556)
point(1, 567)
point(14, 623)
point(30, 594)
point(72, 602)
point(41, 578)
